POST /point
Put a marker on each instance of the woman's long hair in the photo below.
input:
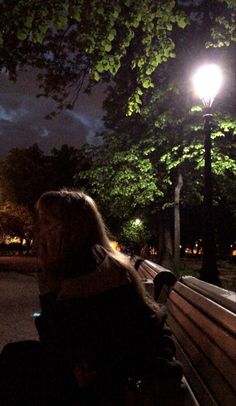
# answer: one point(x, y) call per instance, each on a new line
point(84, 230)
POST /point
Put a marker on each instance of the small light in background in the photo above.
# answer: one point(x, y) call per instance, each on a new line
point(36, 314)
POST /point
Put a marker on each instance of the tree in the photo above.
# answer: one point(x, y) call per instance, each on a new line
point(56, 38)
point(64, 163)
point(136, 233)
point(15, 221)
point(167, 137)
point(170, 125)
point(121, 181)
point(24, 174)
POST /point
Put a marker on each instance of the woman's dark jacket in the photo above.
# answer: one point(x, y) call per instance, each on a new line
point(101, 318)
point(100, 321)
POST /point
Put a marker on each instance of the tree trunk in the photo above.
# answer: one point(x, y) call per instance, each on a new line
point(177, 223)
point(165, 249)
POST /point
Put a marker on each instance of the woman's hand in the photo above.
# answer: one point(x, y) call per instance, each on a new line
point(51, 246)
point(50, 255)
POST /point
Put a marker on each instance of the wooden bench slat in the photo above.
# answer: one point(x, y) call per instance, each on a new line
point(224, 297)
point(212, 309)
point(202, 318)
point(212, 353)
point(163, 280)
point(149, 286)
point(195, 381)
point(189, 399)
point(144, 269)
point(214, 380)
point(197, 385)
point(222, 338)
point(145, 273)
point(156, 267)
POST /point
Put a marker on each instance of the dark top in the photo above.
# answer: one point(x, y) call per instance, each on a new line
point(97, 320)
point(112, 326)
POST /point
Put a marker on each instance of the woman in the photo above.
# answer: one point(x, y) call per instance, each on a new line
point(102, 336)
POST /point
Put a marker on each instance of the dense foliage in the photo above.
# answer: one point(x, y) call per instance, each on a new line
point(26, 173)
point(72, 40)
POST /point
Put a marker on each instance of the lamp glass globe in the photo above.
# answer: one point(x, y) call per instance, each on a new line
point(207, 82)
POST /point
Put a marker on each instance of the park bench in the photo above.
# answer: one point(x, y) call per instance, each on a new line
point(202, 318)
point(157, 280)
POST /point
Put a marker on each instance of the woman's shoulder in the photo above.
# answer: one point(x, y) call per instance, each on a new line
point(107, 276)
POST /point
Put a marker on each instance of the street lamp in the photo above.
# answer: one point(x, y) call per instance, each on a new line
point(207, 82)
point(137, 222)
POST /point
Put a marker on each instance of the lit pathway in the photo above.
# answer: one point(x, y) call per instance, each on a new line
point(18, 302)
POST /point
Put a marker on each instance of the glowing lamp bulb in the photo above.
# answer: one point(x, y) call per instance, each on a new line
point(207, 82)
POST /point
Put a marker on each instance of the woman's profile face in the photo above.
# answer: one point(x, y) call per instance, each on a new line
point(47, 224)
point(50, 237)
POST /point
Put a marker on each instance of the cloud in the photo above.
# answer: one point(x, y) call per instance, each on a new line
point(45, 133)
point(12, 115)
point(79, 117)
point(23, 123)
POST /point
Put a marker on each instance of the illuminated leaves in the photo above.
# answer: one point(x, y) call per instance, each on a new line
point(123, 182)
point(135, 232)
point(100, 35)
point(224, 32)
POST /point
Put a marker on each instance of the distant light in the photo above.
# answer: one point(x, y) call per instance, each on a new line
point(36, 314)
point(207, 82)
point(138, 222)
point(115, 245)
point(180, 246)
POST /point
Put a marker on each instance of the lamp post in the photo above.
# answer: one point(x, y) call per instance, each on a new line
point(207, 82)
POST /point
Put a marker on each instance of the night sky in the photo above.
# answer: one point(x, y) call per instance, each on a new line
point(23, 123)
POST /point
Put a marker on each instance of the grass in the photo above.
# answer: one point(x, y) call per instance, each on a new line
point(226, 268)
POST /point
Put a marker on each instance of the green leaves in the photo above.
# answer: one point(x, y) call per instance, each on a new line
point(124, 181)
point(101, 35)
point(108, 47)
point(135, 231)
point(196, 108)
point(76, 13)
point(181, 21)
point(224, 32)
point(60, 21)
point(29, 21)
point(146, 83)
point(22, 35)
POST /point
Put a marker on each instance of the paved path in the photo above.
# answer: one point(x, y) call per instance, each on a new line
point(18, 302)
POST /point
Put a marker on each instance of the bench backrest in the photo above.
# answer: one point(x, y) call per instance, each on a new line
point(157, 280)
point(203, 321)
